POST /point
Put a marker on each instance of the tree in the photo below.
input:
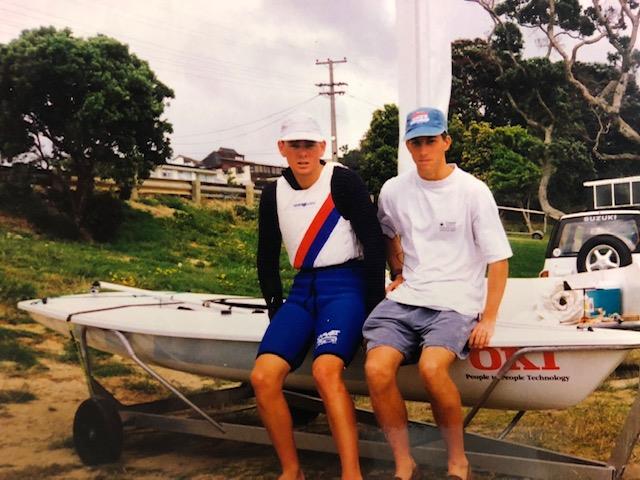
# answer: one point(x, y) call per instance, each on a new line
point(568, 28)
point(534, 93)
point(82, 108)
point(506, 158)
point(379, 148)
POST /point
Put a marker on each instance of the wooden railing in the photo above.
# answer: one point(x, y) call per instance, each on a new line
point(193, 189)
point(196, 190)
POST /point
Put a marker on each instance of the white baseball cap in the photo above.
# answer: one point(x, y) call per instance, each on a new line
point(300, 127)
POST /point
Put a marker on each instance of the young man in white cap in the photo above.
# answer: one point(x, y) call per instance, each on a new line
point(324, 216)
point(443, 233)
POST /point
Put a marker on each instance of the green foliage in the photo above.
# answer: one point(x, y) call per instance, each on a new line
point(383, 130)
point(379, 149)
point(11, 334)
point(41, 212)
point(568, 14)
point(111, 369)
point(70, 353)
point(96, 107)
point(12, 351)
point(12, 290)
point(144, 386)
point(574, 165)
point(513, 179)
point(16, 396)
point(506, 158)
point(104, 216)
point(246, 213)
point(352, 159)
point(172, 201)
point(378, 167)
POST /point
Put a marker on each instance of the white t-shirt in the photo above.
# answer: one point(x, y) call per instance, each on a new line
point(449, 230)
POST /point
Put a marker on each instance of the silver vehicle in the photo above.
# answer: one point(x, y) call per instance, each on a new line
point(595, 240)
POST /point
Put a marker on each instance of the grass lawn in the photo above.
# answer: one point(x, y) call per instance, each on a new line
point(210, 249)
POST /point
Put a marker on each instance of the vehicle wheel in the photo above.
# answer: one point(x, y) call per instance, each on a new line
point(97, 432)
point(603, 252)
point(537, 235)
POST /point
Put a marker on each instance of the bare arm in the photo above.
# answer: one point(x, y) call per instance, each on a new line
point(497, 274)
point(395, 259)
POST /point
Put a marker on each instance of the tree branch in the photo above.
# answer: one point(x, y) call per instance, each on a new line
point(619, 156)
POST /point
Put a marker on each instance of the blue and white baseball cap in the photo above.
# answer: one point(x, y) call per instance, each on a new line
point(425, 122)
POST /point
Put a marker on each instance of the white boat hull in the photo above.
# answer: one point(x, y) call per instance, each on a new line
point(179, 332)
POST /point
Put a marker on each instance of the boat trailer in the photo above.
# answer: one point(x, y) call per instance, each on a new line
point(100, 420)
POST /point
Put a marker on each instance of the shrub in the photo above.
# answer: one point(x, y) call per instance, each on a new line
point(104, 217)
point(246, 213)
point(177, 203)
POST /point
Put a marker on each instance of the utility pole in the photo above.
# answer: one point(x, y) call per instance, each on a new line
point(332, 94)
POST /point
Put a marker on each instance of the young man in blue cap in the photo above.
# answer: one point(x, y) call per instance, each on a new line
point(324, 216)
point(443, 233)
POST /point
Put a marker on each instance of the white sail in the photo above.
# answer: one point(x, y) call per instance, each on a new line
point(424, 60)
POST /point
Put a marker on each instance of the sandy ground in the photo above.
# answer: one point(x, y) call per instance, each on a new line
point(36, 437)
point(36, 441)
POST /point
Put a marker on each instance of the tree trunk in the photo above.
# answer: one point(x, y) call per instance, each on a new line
point(547, 170)
point(527, 220)
point(84, 190)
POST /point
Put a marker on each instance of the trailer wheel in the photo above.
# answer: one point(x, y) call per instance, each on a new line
point(537, 235)
point(603, 252)
point(97, 432)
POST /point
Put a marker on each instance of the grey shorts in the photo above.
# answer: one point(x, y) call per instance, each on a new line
point(409, 329)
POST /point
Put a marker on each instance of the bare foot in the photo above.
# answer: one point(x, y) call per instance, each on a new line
point(459, 470)
point(297, 475)
point(405, 472)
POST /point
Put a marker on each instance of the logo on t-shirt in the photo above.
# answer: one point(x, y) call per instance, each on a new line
point(328, 337)
point(447, 226)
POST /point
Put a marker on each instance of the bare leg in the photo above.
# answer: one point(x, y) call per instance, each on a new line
point(327, 372)
point(381, 368)
point(267, 379)
point(447, 408)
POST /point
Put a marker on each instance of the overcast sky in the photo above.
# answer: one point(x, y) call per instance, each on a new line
point(238, 67)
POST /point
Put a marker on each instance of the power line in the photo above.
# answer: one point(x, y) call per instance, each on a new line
point(250, 132)
point(287, 110)
point(247, 71)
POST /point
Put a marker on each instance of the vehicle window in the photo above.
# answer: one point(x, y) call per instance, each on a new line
point(577, 231)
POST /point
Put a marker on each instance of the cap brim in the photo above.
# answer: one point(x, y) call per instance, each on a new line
point(424, 132)
point(314, 137)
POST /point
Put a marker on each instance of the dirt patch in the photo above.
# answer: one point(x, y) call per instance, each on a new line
point(155, 210)
point(17, 225)
point(37, 439)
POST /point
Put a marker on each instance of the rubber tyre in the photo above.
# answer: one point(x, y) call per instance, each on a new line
point(97, 432)
point(537, 235)
point(613, 242)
